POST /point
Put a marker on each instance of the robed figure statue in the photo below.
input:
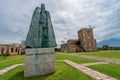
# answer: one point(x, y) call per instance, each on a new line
point(41, 34)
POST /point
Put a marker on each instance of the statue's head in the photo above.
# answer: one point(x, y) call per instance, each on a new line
point(42, 6)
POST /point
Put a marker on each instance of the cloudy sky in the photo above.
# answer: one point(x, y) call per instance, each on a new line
point(68, 16)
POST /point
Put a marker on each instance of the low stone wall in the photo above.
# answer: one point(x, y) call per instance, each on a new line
point(39, 61)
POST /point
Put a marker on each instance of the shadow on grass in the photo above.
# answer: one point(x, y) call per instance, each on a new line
point(19, 76)
point(62, 72)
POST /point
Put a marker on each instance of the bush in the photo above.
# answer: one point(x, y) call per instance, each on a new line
point(23, 53)
point(57, 50)
point(5, 55)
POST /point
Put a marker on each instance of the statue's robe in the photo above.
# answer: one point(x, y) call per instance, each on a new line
point(41, 34)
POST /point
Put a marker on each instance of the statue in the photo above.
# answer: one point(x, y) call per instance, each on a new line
point(40, 43)
point(41, 34)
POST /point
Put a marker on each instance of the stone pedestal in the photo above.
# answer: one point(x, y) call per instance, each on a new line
point(39, 61)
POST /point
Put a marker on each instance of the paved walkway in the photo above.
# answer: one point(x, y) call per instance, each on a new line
point(92, 73)
point(87, 64)
point(94, 63)
point(3, 71)
point(111, 60)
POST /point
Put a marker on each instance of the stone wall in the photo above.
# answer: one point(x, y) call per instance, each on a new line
point(64, 47)
point(71, 46)
point(11, 49)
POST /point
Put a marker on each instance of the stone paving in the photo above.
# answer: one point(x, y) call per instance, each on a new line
point(110, 60)
point(92, 73)
point(3, 71)
point(94, 63)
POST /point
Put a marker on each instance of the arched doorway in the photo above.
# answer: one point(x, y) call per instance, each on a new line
point(77, 50)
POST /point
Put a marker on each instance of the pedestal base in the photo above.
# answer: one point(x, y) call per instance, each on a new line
point(39, 61)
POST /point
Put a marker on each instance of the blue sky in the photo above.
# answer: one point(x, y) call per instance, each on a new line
point(68, 16)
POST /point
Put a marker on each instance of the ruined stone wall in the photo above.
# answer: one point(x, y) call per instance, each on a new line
point(16, 50)
point(64, 48)
point(12, 50)
point(3, 49)
point(72, 46)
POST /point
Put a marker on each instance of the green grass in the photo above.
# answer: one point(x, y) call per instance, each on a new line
point(107, 54)
point(20, 59)
point(109, 69)
point(7, 57)
point(11, 61)
point(63, 72)
point(72, 58)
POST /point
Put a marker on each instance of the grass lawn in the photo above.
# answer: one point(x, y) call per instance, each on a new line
point(63, 72)
point(109, 69)
point(108, 54)
point(72, 58)
point(11, 61)
point(8, 57)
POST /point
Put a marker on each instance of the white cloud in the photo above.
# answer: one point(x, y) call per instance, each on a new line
point(68, 17)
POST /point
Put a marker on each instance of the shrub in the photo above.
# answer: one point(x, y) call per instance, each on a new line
point(5, 55)
point(23, 53)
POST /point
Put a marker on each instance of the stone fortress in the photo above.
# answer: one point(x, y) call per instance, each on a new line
point(85, 42)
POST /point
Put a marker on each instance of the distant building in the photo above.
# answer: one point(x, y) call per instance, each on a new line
point(107, 47)
point(85, 42)
point(12, 49)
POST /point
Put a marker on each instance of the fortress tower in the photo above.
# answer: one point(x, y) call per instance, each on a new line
point(88, 43)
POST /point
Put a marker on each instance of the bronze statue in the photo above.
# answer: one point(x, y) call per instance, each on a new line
point(41, 34)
